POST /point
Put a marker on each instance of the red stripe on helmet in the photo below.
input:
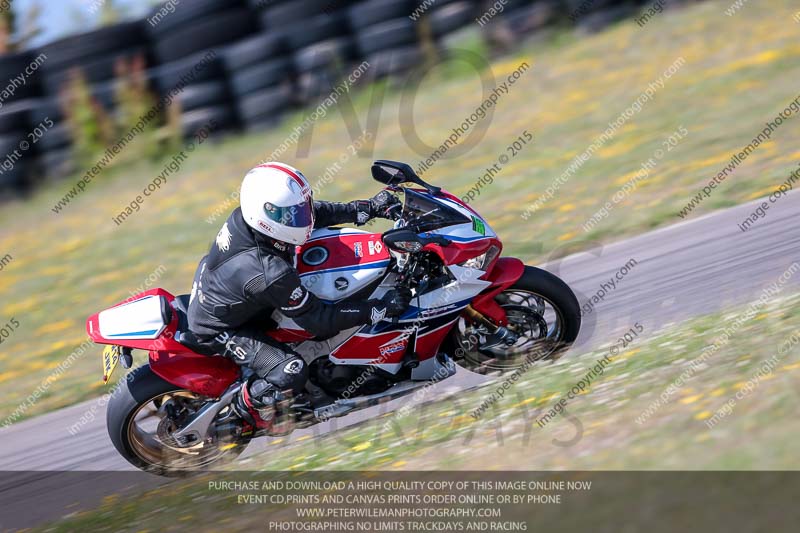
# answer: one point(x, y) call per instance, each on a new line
point(302, 183)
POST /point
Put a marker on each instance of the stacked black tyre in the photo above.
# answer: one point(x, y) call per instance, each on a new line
point(319, 38)
point(520, 17)
point(310, 31)
point(385, 35)
point(596, 15)
point(16, 163)
point(449, 16)
point(526, 18)
point(98, 55)
point(259, 71)
point(17, 99)
point(187, 44)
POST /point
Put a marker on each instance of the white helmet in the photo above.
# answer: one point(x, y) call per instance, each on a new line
point(276, 201)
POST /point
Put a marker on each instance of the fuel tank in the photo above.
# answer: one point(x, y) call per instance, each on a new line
point(338, 262)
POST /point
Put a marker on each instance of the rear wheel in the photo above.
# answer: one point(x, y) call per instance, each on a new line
point(544, 315)
point(143, 415)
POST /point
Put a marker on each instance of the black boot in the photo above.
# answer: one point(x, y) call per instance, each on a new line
point(256, 403)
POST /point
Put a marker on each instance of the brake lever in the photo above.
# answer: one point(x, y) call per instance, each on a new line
point(395, 213)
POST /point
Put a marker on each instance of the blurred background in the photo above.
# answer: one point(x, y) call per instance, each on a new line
point(97, 65)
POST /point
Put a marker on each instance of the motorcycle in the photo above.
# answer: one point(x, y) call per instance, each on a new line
point(470, 308)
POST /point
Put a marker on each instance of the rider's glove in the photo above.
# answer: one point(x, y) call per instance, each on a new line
point(382, 205)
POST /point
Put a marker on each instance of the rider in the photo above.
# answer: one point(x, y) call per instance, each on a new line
point(249, 272)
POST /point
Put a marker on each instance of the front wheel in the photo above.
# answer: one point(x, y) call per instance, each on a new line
point(544, 315)
point(144, 412)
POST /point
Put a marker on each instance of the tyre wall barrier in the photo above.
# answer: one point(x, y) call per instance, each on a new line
point(269, 58)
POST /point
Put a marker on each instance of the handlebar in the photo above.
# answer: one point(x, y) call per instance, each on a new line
point(395, 212)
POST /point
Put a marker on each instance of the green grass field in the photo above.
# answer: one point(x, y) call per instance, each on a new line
point(739, 72)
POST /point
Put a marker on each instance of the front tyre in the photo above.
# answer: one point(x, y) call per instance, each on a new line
point(542, 311)
point(145, 410)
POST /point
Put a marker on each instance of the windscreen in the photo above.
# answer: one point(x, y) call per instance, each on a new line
point(423, 213)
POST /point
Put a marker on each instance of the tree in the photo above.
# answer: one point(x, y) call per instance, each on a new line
point(111, 13)
point(16, 34)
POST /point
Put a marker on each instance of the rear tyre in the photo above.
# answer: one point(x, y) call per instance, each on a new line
point(138, 426)
point(542, 310)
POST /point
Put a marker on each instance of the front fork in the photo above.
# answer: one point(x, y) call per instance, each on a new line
point(499, 337)
point(485, 311)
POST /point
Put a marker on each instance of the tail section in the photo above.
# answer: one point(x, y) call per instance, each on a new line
point(146, 321)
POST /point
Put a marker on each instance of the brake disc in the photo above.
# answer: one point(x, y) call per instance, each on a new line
point(167, 426)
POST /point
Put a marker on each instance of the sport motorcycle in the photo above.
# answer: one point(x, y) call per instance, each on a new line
point(471, 307)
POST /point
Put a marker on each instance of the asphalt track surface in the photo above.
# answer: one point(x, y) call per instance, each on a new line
point(691, 268)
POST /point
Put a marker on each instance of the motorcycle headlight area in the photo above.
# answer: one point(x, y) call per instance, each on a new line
point(482, 261)
point(408, 246)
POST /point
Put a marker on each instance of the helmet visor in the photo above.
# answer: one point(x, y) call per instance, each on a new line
point(294, 216)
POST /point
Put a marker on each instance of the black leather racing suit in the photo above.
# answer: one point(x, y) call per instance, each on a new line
point(245, 277)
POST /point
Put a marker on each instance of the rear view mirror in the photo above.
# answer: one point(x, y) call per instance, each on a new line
point(394, 173)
